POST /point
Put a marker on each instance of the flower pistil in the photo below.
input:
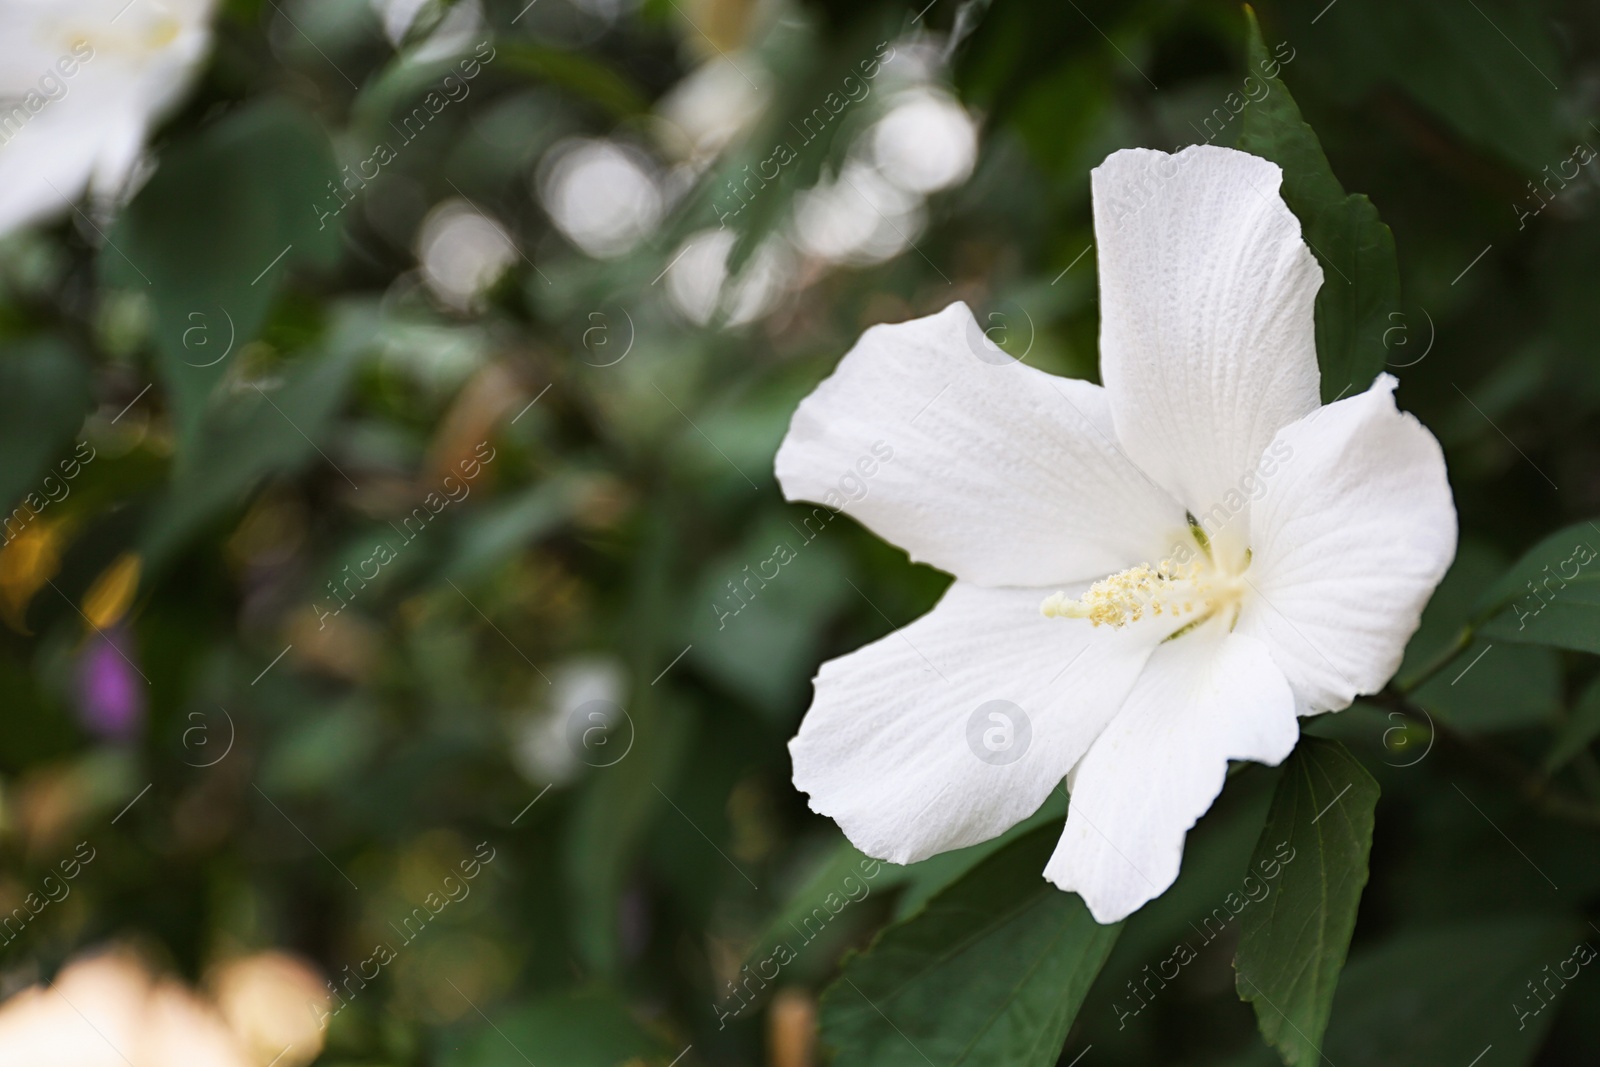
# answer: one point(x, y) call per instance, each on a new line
point(1192, 592)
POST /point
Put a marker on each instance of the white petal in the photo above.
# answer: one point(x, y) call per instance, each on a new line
point(1351, 536)
point(45, 167)
point(81, 83)
point(1207, 341)
point(1202, 700)
point(117, 158)
point(901, 750)
point(973, 462)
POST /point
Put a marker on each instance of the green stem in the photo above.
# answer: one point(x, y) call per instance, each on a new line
point(1439, 662)
point(1534, 788)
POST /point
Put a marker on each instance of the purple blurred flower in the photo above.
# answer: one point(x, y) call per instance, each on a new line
point(109, 690)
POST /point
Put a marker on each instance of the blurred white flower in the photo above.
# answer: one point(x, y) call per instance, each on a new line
point(583, 708)
point(397, 17)
point(926, 142)
point(713, 105)
point(914, 59)
point(463, 253)
point(603, 195)
point(860, 218)
point(699, 275)
point(81, 83)
point(109, 1011)
point(274, 1003)
point(41, 1026)
point(457, 27)
point(180, 1028)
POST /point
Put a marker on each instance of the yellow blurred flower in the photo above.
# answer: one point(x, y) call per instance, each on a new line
point(108, 598)
point(28, 561)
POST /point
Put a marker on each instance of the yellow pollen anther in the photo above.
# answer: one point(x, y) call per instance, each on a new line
point(1165, 589)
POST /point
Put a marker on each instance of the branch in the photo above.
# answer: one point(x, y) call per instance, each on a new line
point(1534, 788)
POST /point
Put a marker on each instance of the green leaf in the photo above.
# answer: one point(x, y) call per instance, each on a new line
point(1193, 926)
point(1442, 997)
point(44, 396)
point(1551, 596)
point(1578, 732)
point(312, 755)
point(1292, 947)
point(613, 813)
point(507, 526)
point(926, 878)
point(759, 612)
point(213, 235)
point(1495, 686)
point(1484, 688)
point(1451, 608)
point(1361, 278)
point(263, 432)
point(1487, 69)
point(1543, 562)
point(1569, 619)
point(591, 1028)
point(841, 870)
point(991, 972)
point(585, 75)
point(1487, 74)
point(917, 882)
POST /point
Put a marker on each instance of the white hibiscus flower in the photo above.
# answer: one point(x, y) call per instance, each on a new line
point(81, 83)
point(1158, 576)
